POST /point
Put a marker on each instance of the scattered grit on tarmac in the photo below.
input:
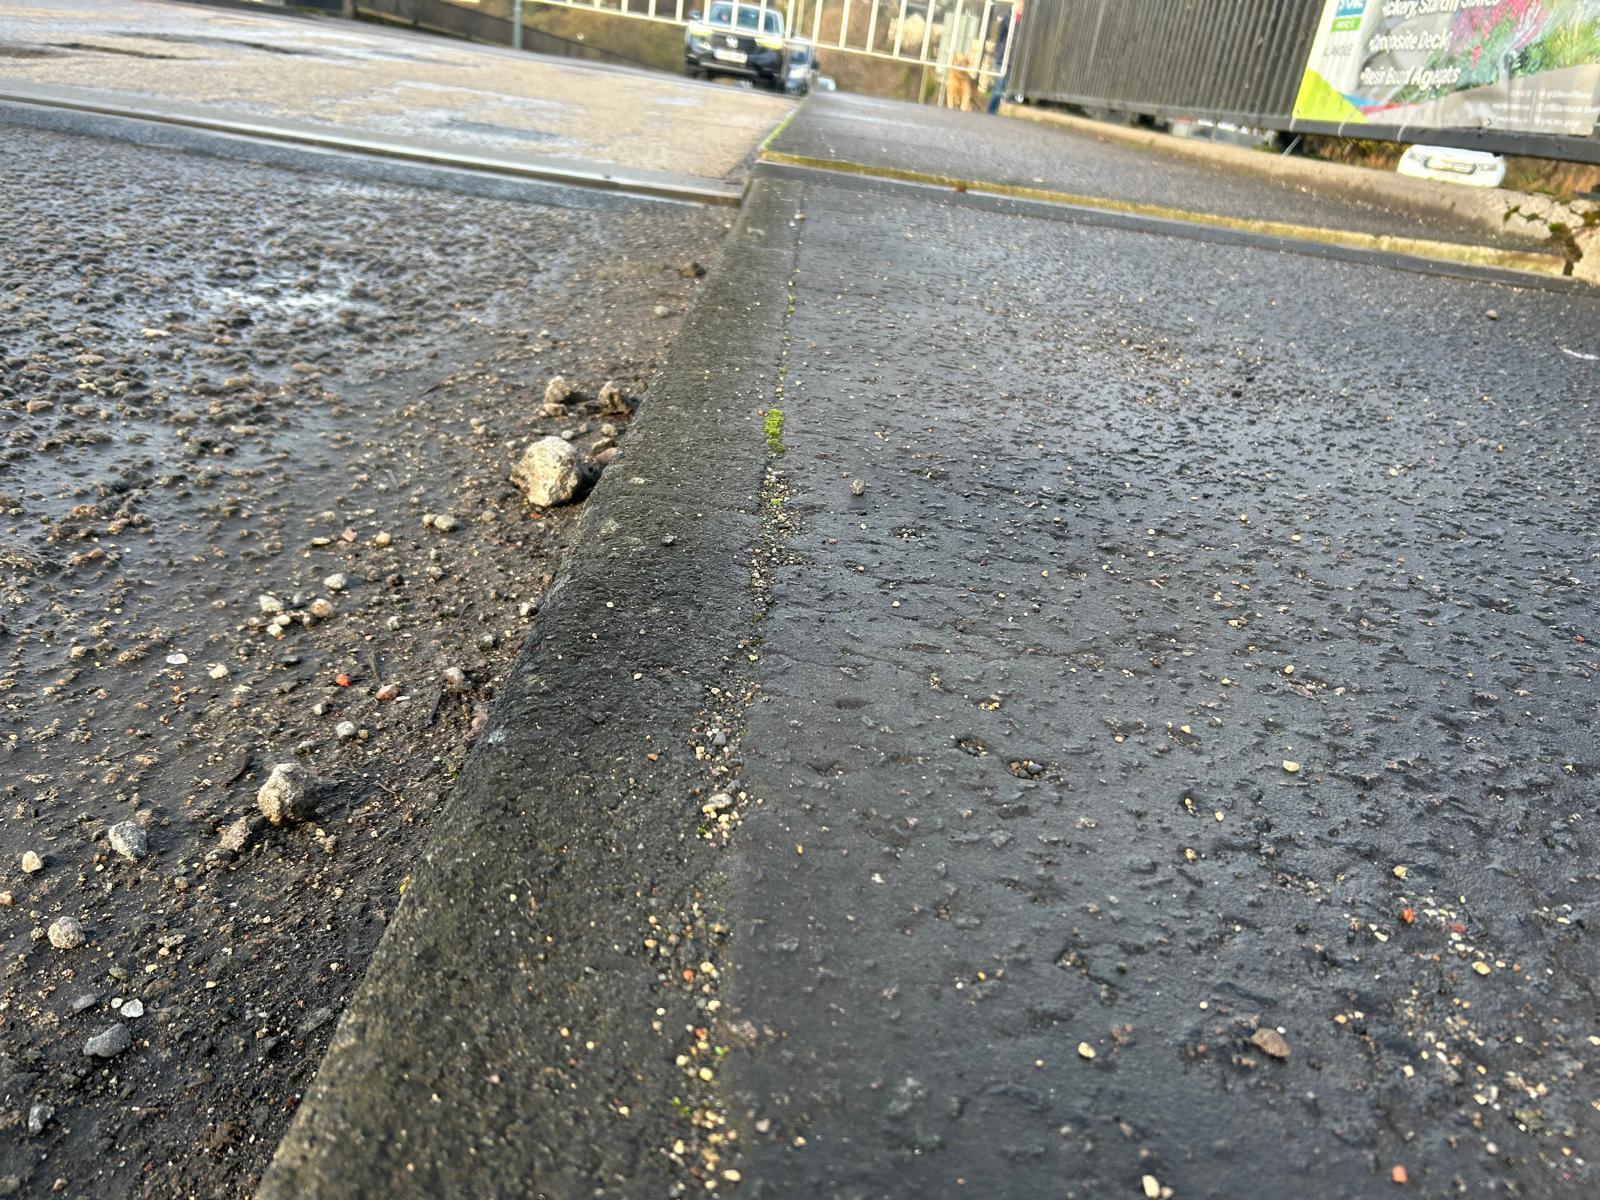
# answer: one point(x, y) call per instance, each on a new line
point(1067, 711)
point(1176, 768)
point(221, 382)
point(1144, 754)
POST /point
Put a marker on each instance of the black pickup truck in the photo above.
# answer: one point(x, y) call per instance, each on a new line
point(737, 39)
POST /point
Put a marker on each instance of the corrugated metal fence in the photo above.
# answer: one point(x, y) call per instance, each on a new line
point(1234, 60)
point(1228, 60)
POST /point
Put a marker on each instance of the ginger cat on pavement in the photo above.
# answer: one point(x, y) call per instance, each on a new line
point(960, 89)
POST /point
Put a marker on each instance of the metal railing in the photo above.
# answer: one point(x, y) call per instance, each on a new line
point(929, 33)
point(926, 33)
point(920, 32)
point(1238, 61)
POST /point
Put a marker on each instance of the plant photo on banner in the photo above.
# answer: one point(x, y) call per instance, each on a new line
point(1523, 65)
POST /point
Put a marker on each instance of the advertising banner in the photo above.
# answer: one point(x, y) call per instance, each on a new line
point(1527, 66)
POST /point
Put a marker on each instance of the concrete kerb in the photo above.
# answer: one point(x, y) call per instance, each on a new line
point(526, 915)
point(1532, 264)
point(1484, 208)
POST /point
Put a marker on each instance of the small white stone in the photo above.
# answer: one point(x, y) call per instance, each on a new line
point(66, 933)
point(336, 582)
point(269, 603)
point(345, 730)
point(31, 862)
point(547, 473)
point(285, 798)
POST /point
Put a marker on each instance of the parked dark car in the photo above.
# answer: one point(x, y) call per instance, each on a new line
point(802, 71)
point(753, 47)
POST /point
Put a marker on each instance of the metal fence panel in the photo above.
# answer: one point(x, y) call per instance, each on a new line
point(1238, 61)
point(926, 33)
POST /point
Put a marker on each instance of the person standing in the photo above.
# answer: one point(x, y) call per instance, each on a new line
point(997, 91)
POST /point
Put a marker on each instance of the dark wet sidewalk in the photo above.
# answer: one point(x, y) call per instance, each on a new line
point(1170, 775)
point(1175, 771)
point(893, 135)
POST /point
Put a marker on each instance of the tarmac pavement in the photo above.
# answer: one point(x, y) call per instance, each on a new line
point(888, 134)
point(1205, 656)
point(1045, 707)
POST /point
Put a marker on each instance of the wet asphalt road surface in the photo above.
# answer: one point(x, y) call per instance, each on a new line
point(890, 133)
point(1171, 773)
point(1175, 773)
point(345, 77)
point(221, 382)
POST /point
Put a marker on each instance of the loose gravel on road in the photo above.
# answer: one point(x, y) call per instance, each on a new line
point(256, 432)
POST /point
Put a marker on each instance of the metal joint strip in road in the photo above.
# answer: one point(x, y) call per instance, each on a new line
point(568, 172)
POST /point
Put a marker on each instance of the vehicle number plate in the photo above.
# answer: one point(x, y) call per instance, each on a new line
point(730, 56)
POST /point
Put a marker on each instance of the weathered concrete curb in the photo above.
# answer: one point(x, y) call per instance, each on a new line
point(1533, 265)
point(452, 1072)
point(1483, 208)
